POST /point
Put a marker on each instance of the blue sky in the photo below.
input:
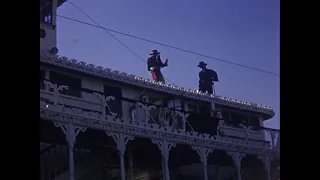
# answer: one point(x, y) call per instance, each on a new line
point(242, 31)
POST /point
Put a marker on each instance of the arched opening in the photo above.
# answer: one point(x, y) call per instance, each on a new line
point(53, 149)
point(185, 163)
point(252, 168)
point(99, 158)
point(143, 159)
point(220, 165)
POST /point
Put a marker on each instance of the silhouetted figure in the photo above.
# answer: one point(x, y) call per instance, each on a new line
point(155, 64)
point(207, 78)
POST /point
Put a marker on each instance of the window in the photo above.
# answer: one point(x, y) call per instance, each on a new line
point(73, 83)
point(115, 105)
point(255, 123)
point(42, 33)
point(225, 116)
point(237, 119)
point(42, 78)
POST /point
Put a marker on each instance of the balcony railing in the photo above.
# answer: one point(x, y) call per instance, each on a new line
point(140, 112)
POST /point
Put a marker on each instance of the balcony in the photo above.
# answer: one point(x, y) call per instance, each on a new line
point(139, 114)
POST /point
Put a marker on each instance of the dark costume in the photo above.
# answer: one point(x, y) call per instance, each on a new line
point(206, 78)
point(155, 64)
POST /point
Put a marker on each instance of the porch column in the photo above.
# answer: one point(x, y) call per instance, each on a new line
point(164, 148)
point(203, 153)
point(237, 157)
point(266, 160)
point(71, 132)
point(121, 140)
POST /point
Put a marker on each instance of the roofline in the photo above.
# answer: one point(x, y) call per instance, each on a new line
point(106, 73)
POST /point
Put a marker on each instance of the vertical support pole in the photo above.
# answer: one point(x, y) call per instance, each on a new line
point(164, 148)
point(71, 132)
point(237, 157)
point(203, 153)
point(273, 136)
point(54, 12)
point(121, 140)
point(46, 77)
point(266, 160)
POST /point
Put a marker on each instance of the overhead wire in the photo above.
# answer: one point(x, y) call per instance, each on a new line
point(120, 43)
point(108, 30)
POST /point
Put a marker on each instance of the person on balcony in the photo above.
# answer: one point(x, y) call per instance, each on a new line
point(207, 77)
point(155, 64)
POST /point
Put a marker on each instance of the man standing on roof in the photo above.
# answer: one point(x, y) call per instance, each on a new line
point(155, 64)
point(207, 78)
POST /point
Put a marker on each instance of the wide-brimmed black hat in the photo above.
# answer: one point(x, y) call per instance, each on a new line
point(202, 64)
point(154, 51)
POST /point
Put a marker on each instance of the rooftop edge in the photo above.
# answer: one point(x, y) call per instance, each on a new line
point(99, 71)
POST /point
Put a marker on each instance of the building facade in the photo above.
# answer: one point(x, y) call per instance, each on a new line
point(98, 123)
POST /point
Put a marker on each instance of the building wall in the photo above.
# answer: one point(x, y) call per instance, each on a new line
point(50, 39)
point(92, 102)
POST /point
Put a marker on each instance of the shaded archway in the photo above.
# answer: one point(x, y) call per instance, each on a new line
point(53, 149)
point(185, 163)
point(252, 168)
point(96, 155)
point(220, 165)
point(143, 159)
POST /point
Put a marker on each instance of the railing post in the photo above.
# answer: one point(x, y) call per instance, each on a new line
point(267, 164)
point(121, 140)
point(165, 148)
point(71, 132)
point(203, 154)
point(237, 157)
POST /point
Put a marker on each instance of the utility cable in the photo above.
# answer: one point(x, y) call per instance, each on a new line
point(165, 45)
point(118, 41)
point(107, 31)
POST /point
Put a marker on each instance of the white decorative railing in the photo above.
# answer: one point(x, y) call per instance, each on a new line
point(247, 132)
point(141, 116)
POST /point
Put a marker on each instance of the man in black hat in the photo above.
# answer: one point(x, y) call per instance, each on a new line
point(155, 64)
point(207, 78)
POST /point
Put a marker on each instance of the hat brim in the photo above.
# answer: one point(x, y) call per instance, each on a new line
point(202, 65)
point(154, 53)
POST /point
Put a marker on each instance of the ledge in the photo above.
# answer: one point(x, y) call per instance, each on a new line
point(99, 71)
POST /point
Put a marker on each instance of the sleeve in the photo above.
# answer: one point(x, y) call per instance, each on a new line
point(160, 62)
point(148, 63)
point(214, 75)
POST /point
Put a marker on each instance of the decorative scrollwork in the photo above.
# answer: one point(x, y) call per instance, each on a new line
point(237, 157)
point(164, 147)
point(104, 99)
point(56, 90)
point(121, 140)
point(70, 131)
point(203, 153)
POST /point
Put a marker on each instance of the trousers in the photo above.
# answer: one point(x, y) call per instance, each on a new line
point(157, 76)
